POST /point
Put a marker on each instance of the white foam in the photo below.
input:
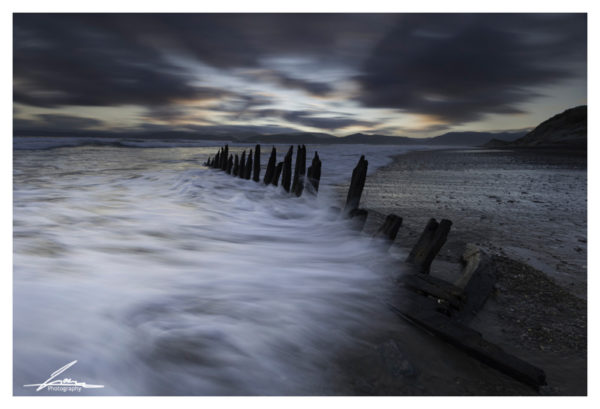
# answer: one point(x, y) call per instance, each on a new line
point(163, 277)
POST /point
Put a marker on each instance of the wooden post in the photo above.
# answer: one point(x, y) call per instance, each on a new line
point(236, 165)
point(278, 169)
point(300, 170)
point(229, 164)
point(270, 167)
point(217, 159)
point(357, 183)
point(389, 228)
point(359, 218)
point(248, 170)
point(224, 158)
point(314, 174)
point(429, 244)
point(256, 176)
point(242, 165)
point(286, 176)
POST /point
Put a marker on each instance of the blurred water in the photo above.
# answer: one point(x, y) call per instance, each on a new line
point(161, 276)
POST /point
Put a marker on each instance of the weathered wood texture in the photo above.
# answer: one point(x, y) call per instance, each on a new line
point(357, 183)
point(299, 171)
point(236, 165)
point(436, 288)
point(359, 218)
point(429, 244)
point(313, 174)
point(242, 169)
point(477, 281)
point(277, 174)
point(229, 164)
point(224, 158)
point(472, 342)
point(286, 174)
point(248, 168)
point(270, 171)
point(256, 172)
point(389, 229)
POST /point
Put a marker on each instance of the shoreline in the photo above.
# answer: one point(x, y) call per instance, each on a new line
point(531, 313)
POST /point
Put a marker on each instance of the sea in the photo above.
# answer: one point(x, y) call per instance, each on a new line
point(137, 270)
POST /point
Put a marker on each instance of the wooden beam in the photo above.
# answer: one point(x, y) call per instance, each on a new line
point(429, 244)
point(270, 172)
point(473, 343)
point(286, 175)
point(314, 174)
point(256, 173)
point(357, 183)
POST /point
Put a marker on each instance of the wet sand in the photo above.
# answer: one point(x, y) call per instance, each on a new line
point(528, 211)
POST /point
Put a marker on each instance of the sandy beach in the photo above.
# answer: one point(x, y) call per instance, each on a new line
point(528, 211)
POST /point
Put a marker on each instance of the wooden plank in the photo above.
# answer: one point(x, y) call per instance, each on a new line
point(359, 218)
point(224, 158)
point(229, 164)
point(389, 229)
point(248, 168)
point(473, 343)
point(270, 172)
point(286, 174)
point(277, 173)
point(314, 174)
point(236, 165)
point(256, 172)
point(429, 244)
point(357, 183)
point(299, 171)
point(434, 287)
point(242, 167)
point(478, 282)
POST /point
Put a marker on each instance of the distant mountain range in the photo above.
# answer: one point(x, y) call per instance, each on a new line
point(565, 130)
point(447, 139)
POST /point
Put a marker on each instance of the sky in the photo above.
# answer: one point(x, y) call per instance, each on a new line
point(416, 75)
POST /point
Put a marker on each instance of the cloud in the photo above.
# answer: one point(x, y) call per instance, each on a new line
point(91, 60)
point(459, 67)
point(311, 87)
point(57, 122)
point(117, 59)
point(307, 118)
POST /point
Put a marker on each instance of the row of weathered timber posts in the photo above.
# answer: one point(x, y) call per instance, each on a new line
point(249, 168)
point(441, 308)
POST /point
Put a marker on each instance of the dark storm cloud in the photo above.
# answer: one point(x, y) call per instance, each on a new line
point(115, 59)
point(458, 67)
point(306, 118)
point(57, 122)
point(455, 67)
point(92, 60)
